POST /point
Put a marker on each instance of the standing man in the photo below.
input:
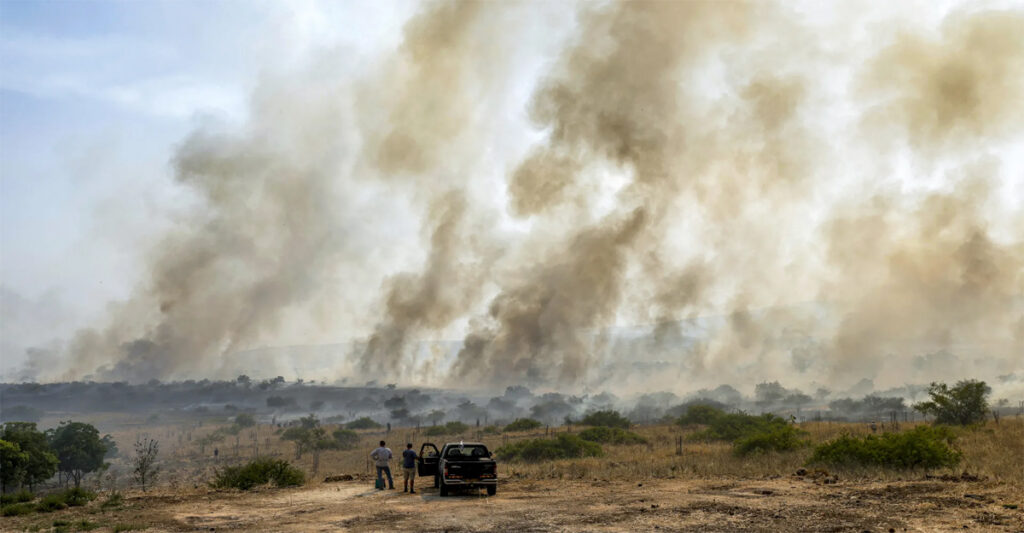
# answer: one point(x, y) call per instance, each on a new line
point(381, 457)
point(409, 469)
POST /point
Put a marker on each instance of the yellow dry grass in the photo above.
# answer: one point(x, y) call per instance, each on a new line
point(993, 451)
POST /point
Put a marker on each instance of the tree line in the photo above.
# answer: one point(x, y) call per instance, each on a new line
point(31, 457)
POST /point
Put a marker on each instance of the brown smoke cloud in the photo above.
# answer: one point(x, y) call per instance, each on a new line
point(958, 89)
point(690, 176)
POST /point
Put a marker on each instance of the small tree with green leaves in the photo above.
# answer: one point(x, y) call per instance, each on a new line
point(144, 465)
point(40, 464)
point(963, 404)
point(12, 465)
point(78, 448)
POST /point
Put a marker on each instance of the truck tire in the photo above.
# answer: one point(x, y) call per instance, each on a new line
point(444, 490)
point(437, 481)
point(492, 490)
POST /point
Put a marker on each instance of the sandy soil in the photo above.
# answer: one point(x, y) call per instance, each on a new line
point(783, 504)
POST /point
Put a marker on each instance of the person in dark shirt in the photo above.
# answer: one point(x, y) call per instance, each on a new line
point(409, 468)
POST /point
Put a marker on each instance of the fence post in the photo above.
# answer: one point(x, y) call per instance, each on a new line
point(679, 445)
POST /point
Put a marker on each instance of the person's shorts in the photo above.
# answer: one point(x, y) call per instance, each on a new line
point(408, 473)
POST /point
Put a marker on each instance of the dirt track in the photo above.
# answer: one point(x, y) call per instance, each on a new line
point(785, 504)
point(781, 504)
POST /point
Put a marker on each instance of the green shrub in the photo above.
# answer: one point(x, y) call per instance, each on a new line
point(17, 509)
point(345, 439)
point(51, 502)
point(120, 528)
point(258, 472)
point(606, 435)
point(921, 447)
point(490, 430)
point(451, 428)
point(21, 496)
point(85, 525)
point(611, 419)
point(778, 439)
point(735, 426)
point(964, 404)
point(562, 447)
point(363, 423)
point(523, 424)
point(700, 414)
point(76, 496)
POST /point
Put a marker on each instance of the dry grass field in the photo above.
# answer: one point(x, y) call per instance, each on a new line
point(639, 487)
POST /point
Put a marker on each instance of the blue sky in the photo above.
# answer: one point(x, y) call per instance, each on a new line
point(94, 97)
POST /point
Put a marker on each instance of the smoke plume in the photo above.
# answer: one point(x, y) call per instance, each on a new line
point(710, 192)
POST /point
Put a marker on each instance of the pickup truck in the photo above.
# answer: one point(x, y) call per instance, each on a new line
point(459, 465)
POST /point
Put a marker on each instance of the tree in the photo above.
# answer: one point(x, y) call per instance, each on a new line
point(346, 439)
point(608, 418)
point(768, 393)
point(78, 449)
point(245, 420)
point(436, 416)
point(144, 465)
point(112, 451)
point(12, 465)
point(40, 462)
point(964, 404)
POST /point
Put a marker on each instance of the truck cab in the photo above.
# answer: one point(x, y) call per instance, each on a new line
point(459, 465)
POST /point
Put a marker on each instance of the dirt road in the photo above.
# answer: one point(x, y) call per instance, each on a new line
point(790, 504)
point(523, 505)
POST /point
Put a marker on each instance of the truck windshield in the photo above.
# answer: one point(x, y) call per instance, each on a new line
point(467, 452)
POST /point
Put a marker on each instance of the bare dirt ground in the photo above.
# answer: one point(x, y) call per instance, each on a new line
point(784, 504)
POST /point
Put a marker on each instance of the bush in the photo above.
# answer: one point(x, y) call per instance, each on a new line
point(611, 419)
point(345, 439)
point(17, 509)
point(921, 447)
point(451, 428)
point(779, 439)
point(561, 447)
point(120, 528)
point(964, 404)
point(700, 414)
point(18, 497)
point(523, 424)
point(735, 426)
point(258, 472)
point(363, 423)
point(606, 435)
point(490, 430)
point(51, 502)
point(75, 497)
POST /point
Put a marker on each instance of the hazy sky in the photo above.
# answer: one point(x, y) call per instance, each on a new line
point(98, 98)
point(94, 97)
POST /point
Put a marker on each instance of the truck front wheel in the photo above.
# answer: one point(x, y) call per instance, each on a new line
point(492, 489)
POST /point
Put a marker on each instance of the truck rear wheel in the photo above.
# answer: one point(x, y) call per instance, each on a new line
point(492, 490)
point(444, 490)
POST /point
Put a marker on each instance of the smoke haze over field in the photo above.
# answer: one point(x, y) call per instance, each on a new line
point(633, 196)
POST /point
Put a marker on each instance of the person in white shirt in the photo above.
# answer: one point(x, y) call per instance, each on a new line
point(382, 457)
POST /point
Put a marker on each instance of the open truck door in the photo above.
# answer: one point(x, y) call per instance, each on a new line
point(429, 457)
